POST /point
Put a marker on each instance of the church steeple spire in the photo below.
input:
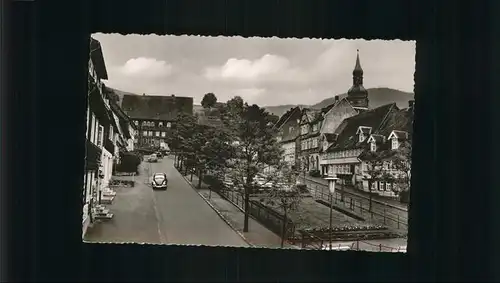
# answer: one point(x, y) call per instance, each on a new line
point(357, 94)
point(358, 71)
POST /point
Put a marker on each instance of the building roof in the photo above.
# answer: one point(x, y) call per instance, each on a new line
point(331, 137)
point(284, 118)
point(156, 107)
point(374, 118)
point(401, 123)
point(98, 59)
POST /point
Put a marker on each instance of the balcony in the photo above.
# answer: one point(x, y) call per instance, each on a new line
point(93, 156)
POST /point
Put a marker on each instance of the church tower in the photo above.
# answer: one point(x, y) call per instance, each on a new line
point(357, 94)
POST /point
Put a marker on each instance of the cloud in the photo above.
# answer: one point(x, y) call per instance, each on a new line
point(249, 92)
point(146, 68)
point(267, 68)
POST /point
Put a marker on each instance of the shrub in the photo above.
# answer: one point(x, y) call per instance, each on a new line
point(315, 173)
point(129, 163)
point(302, 188)
point(404, 196)
point(212, 181)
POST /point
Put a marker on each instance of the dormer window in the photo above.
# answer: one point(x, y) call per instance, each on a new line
point(394, 143)
point(315, 127)
point(373, 146)
point(160, 124)
point(169, 124)
point(395, 138)
point(278, 139)
point(290, 130)
point(363, 132)
point(361, 137)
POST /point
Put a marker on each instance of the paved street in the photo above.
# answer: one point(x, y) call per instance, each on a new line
point(175, 216)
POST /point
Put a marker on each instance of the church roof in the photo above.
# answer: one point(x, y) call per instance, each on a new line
point(357, 68)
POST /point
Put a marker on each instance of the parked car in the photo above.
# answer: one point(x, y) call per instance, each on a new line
point(159, 155)
point(153, 158)
point(159, 181)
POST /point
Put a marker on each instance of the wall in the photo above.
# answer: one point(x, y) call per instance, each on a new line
point(336, 115)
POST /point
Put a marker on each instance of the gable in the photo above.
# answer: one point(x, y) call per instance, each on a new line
point(304, 119)
point(364, 130)
point(398, 135)
point(336, 115)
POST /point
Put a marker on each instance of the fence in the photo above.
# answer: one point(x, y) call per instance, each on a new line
point(268, 217)
point(361, 207)
point(308, 240)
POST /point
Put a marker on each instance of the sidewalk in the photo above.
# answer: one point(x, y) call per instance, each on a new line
point(258, 235)
point(350, 190)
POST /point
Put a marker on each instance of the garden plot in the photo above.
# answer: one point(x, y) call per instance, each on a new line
point(309, 214)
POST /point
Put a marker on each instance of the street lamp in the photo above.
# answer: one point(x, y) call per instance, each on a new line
point(331, 187)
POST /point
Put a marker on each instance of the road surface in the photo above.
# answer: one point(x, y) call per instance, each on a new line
point(175, 216)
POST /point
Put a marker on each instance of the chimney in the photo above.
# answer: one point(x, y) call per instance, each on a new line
point(143, 94)
point(336, 98)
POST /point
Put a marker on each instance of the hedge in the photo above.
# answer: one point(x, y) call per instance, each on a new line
point(129, 163)
point(404, 196)
point(315, 173)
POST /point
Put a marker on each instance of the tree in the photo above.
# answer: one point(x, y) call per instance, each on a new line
point(402, 161)
point(181, 140)
point(284, 194)
point(253, 145)
point(209, 100)
point(375, 170)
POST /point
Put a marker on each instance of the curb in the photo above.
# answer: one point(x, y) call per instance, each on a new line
point(218, 212)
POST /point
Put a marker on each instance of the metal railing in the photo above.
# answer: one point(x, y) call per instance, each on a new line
point(271, 219)
point(374, 200)
point(361, 207)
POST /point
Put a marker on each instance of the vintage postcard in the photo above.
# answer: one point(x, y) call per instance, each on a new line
point(249, 142)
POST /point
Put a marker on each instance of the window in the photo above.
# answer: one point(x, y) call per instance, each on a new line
point(87, 124)
point(163, 134)
point(304, 129)
point(290, 129)
point(160, 124)
point(111, 132)
point(144, 123)
point(92, 128)
point(100, 135)
point(278, 139)
point(361, 137)
point(315, 127)
point(169, 125)
point(315, 143)
point(395, 143)
point(136, 123)
point(144, 133)
point(150, 133)
point(157, 133)
point(373, 147)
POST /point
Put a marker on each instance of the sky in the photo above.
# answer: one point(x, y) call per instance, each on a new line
point(264, 71)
